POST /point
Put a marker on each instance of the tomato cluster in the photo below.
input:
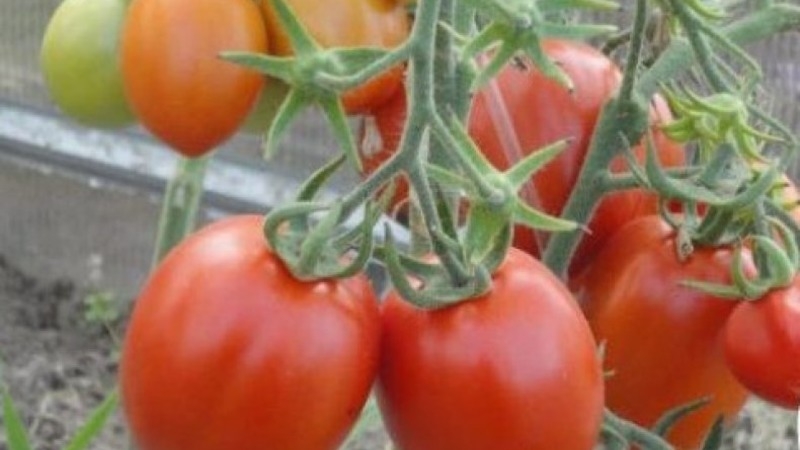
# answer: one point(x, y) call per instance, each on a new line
point(158, 61)
point(227, 350)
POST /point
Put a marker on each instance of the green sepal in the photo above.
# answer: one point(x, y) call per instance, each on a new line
point(521, 172)
point(302, 42)
point(334, 111)
point(713, 440)
point(538, 220)
point(436, 290)
point(311, 187)
point(280, 67)
point(670, 418)
point(488, 230)
point(294, 103)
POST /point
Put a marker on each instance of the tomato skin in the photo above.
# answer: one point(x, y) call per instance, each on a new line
point(522, 110)
point(762, 345)
point(515, 368)
point(225, 350)
point(80, 62)
point(348, 23)
point(663, 340)
point(174, 79)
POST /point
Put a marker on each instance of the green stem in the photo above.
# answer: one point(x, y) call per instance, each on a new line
point(634, 57)
point(180, 205)
point(622, 121)
point(761, 24)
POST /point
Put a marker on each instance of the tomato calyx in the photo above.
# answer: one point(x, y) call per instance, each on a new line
point(312, 74)
point(520, 26)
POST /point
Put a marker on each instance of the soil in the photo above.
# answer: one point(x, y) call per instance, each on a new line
point(59, 366)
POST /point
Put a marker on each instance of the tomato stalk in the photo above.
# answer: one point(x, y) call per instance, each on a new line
point(180, 205)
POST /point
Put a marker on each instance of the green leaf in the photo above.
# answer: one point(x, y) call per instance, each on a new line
point(97, 421)
point(16, 435)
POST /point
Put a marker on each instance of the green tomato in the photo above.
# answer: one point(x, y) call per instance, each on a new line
point(80, 62)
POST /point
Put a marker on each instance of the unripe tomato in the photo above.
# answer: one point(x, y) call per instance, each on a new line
point(80, 63)
point(762, 345)
point(178, 86)
point(348, 23)
point(226, 350)
point(514, 369)
point(663, 340)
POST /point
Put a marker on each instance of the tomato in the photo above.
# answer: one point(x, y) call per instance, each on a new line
point(80, 63)
point(348, 23)
point(762, 345)
point(174, 79)
point(663, 339)
point(225, 350)
point(513, 369)
point(522, 110)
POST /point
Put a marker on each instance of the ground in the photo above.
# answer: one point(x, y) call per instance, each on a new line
point(59, 366)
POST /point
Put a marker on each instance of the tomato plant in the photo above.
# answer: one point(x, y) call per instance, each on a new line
point(515, 368)
point(762, 345)
point(348, 23)
point(174, 79)
point(80, 62)
point(226, 350)
point(523, 110)
point(663, 340)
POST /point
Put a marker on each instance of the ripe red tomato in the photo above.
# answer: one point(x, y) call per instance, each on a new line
point(663, 340)
point(522, 110)
point(80, 62)
point(762, 345)
point(225, 350)
point(348, 23)
point(514, 369)
point(174, 79)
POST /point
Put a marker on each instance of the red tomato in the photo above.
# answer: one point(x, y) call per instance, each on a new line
point(225, 350)
point(522, 110)
point(762, 345)
point(348, 23)
point(663, 339)
point(174, 79)
point(514, 369)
